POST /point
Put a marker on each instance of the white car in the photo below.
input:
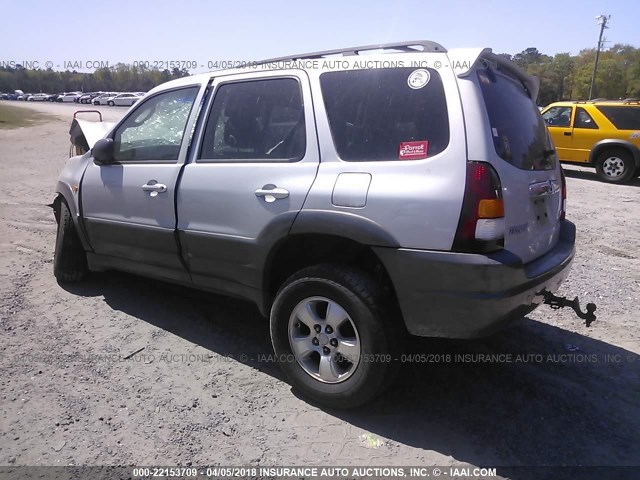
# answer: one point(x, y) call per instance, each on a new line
point(124, 99)
point(69, 97)
point(38, 97)
point(104, 98)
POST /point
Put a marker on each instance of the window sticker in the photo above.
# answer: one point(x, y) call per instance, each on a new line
point(418, 78)
point(413, 150)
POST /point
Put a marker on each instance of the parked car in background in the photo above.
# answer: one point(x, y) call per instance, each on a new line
point(69, 97)
point(23, 97)
point(53, 97)
point(38, 97)
point(87, 98)
point(103, 98)
point(124, 99)
point(604, 134)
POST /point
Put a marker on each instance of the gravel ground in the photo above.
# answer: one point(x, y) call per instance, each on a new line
point(197, 387)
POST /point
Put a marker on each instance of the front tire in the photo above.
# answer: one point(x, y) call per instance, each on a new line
point(70, 259)
point(111, 104)
point(333, 335)
point(615, 166)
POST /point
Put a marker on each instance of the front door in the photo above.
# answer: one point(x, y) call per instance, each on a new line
point(585, 134)
point(128, 205)
point(558, 120)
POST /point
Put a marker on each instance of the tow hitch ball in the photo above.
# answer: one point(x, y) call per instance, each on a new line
point(560, 302)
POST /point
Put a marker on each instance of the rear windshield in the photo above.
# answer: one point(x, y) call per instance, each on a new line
point(518, 130)
point(379, 114)
point(624, 118)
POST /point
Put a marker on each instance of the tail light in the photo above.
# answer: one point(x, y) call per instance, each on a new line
point(563, 206)
point(481, 225)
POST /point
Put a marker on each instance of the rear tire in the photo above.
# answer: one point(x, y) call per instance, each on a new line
point(339, 360)
point(615, 166)
point(111, 104)
point(70, 259)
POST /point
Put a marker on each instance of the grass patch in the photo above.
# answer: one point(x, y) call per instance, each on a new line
point(15, 117)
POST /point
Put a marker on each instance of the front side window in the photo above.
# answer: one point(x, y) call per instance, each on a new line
point(154, 131)
point(583, 119)
point(258, 120)
point(558, 117)
point(379, 114)
point(624, 118)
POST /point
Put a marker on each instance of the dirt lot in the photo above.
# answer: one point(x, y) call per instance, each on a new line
point(201, 392)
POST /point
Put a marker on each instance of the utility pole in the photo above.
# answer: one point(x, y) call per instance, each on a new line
point(602, 21)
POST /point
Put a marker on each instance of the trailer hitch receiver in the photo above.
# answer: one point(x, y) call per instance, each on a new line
point(556, 302)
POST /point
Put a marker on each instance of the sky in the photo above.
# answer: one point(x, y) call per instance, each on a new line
point(79, 33)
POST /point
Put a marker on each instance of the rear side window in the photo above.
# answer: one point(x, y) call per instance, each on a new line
point(519, 133)
point(259, 120)
point(377, 115)
point(624, 118)
point(583, 119)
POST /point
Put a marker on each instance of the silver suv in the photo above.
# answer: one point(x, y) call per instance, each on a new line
point(353, 198)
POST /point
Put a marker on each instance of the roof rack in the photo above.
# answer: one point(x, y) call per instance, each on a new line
point(626, 101)
point(405, 47)
point(594, 100)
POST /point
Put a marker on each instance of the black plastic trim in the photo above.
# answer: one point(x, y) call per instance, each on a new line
point(463, 295)
point(343, 224)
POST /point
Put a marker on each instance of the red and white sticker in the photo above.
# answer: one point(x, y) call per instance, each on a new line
point(413, 150)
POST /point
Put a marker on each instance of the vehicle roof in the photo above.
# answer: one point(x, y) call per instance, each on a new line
point(461, 61)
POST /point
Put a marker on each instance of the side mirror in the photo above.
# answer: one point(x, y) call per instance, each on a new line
point(102, 151)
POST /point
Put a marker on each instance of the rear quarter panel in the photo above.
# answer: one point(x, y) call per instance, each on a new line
point(417, 201)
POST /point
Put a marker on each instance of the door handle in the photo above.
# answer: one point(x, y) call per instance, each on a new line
point(271, 193)
point(154, 188)
point(567, 134)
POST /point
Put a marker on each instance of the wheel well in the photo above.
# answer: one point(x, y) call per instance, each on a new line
point(599, 149)
point(300, 251)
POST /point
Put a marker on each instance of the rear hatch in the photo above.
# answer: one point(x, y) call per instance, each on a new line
point(522, 153)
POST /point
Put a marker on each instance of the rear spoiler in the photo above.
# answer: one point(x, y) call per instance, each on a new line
point(464, 60)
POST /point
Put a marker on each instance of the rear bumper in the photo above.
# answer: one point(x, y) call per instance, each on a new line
point(462, 295)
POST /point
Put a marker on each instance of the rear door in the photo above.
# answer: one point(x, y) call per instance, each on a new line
point(526, 163)
point(256, 160)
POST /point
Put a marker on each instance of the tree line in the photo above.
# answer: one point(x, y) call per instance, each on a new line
point(568, 77)
point(119, 78)
point(562, 76)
